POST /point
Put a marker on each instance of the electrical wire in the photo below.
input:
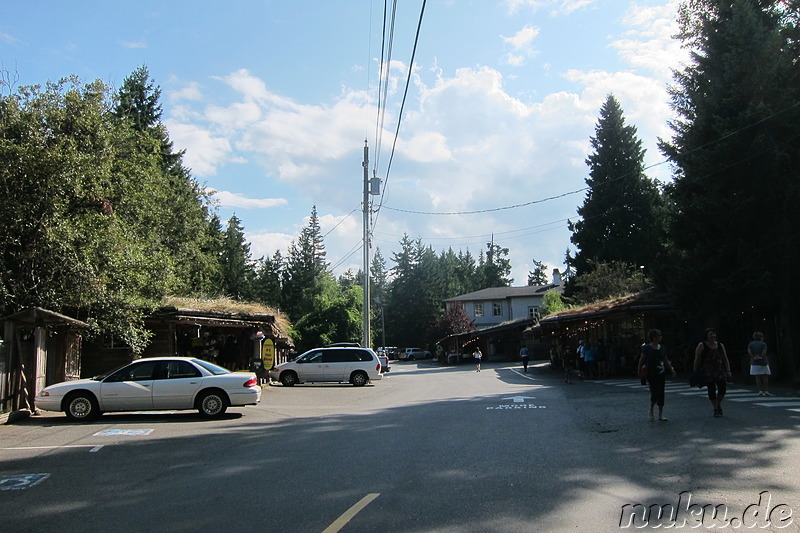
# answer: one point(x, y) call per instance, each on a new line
point(400, 114)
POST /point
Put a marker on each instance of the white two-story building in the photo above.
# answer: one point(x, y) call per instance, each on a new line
point(500, 314)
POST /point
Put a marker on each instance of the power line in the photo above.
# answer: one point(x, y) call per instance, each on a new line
point(400, 115)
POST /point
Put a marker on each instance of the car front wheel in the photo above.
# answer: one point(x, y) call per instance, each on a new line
point(81, 406)
point(359, 379)
point(212, 404)
point(289, 379)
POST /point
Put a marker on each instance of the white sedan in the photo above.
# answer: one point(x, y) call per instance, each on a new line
point(156, 383)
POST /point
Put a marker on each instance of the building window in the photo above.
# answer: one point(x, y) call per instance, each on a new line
point(497, 309)
point(533, 312)
point(478, 309)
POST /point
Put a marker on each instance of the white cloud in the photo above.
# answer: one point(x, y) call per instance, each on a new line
point(266, 244)
point(556, 7)
point(190, 92)
point(522, 43)
point(8, 38)
point(523, 39)
point(231, 199)
point(133, 44)
point(204, 153)
point(649, 43)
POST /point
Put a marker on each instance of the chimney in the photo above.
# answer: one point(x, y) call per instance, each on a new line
point(556, 277)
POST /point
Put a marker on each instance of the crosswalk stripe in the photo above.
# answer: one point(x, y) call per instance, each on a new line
point(779, 404)
point(734, 395)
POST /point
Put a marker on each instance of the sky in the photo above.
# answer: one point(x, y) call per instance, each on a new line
point(273, 101)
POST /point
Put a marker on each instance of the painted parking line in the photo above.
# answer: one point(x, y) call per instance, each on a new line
point(350, 513)
point(93, 447)
point(124, 432)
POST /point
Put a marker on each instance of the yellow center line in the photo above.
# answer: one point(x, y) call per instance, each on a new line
point(350, 513)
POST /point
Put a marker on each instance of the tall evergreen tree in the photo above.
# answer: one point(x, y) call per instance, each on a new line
point(495, 269)
point(305, 270)
point(538, 276)
point(183, 228)
point(622, 215)
point(735, 145)
point(267, 285)
point(236, 265)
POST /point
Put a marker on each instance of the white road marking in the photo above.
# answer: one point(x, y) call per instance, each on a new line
point(94, 447)
point(125, 432)
point(350, 513)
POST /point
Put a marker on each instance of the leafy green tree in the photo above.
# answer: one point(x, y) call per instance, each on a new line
point(622, 216)
point(182, 204)
point(335, 316)
point(735, 145)
point(552, 303)
point(79, 195)
point(538, 276)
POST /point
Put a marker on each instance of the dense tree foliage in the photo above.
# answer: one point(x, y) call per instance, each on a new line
point(622, 216)
point(305, 269)
point(236, 266)
point(185, 226)
point(82, 195)
point(494, 269)
point(736, 149)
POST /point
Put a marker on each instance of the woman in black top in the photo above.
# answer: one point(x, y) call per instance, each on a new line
point(654, 357)
point(710, 355)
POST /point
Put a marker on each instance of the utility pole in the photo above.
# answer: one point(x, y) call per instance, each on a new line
point(366, 341)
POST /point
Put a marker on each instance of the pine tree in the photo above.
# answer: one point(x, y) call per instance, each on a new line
point(183, 228)
point(736, 192)
point(622, 214)
point(305, 270)
point(235, 262)
point(538, 276)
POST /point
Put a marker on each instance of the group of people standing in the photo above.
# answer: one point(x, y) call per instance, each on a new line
point(710, 362)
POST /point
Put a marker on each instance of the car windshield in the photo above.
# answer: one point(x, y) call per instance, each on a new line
point(104, 375)
point(211, 367)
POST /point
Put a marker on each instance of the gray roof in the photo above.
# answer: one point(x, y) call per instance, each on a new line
point(502, 293)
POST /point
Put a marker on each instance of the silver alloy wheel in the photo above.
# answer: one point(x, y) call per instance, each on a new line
point(212, 404)
point(288, 379)
point(81, 407)
point(359, 379)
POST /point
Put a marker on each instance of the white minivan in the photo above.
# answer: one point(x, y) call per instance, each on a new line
point(338, 365)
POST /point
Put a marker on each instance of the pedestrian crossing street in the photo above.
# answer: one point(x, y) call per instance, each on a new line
point(732, 395)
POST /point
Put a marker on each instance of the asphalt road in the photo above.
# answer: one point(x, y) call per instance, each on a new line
point(426, 449)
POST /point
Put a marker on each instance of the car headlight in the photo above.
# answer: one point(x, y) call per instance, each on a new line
point(44, 393)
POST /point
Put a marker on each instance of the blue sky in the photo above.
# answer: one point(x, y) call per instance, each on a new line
point(273, 101)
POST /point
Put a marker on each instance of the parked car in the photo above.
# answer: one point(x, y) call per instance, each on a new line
point(392, 352)
point(383, 357)
point(338, 365)
point(154, 383)
point(415, 354)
